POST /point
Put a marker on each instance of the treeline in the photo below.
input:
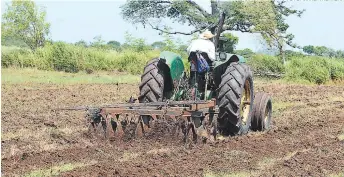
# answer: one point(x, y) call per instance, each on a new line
point(129, 57)
point(323, 51)
point(132, 55)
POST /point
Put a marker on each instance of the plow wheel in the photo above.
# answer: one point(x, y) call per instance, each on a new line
point(235, 98)
point(261, 119)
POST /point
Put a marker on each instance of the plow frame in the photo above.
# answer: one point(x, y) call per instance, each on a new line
point(190, 115)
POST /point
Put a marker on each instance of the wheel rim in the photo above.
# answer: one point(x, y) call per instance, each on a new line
point(245, 104)
point(267, 116)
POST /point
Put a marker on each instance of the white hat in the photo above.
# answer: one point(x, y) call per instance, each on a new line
point(206, 35)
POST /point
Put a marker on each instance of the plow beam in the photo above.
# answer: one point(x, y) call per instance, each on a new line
point(181, 109)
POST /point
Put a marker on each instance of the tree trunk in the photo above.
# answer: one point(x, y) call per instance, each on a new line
point(282, 54)
point(213, 7)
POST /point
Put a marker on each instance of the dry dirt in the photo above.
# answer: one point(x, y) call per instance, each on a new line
point(306, 138)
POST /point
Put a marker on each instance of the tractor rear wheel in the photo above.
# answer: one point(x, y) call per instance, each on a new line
point(151, 89)
point(235, 100)
point(261, 119)
point(152, 83)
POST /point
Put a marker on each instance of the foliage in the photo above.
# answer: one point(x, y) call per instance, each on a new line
point(136, 44)
point(70, 58)
point(300, 68)
point(25, 21)
point(264, 64)
point(264, 17)
point(81, 43)
point(323, 51)
point(315, 69)
point(135, 53)
point(99, 43)
point(158, 45)
point(228, 45)
point(114, 44)
point(246, 53)
point(12, 41)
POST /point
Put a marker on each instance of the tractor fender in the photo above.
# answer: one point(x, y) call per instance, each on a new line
point(171, 64)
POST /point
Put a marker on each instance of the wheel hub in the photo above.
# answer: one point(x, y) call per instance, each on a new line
point(245, 103)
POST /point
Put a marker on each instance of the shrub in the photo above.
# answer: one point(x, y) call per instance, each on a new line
point(265, 64)
point(315, 69)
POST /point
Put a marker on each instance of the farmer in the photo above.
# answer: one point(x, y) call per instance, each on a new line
point(203, 44)
point(201, 55)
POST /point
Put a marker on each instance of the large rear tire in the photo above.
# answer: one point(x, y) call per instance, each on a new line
point(151, 89)
point(152, 83)
point(235, 100)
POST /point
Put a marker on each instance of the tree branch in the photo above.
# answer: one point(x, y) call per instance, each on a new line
point(199, 8)
point(177, 32)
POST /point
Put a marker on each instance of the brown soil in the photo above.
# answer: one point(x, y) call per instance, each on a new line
point(307, 121)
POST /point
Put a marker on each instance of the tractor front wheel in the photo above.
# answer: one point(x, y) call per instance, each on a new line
point(261, 119)
point(235, 100)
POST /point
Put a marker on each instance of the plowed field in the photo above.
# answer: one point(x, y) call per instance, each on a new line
point(306, 138)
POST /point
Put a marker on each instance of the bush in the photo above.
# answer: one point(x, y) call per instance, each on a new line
point(315, 69)
point(71, 58)
point(265, 64)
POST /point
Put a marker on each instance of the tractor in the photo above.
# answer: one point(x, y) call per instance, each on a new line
point(229, 81)
point(220, 100)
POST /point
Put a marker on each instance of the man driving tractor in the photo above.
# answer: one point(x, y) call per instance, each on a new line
point(204, 45)
point(201, 56)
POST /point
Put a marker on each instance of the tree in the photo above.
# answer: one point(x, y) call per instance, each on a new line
point(309, 49)
point(158, 45)
point(247, 53)
point(264, 17)
point(229, 42)
point(340, 54)
point(11, 41)
point(320, 50)
point(81, 43)
point(114, 44)
point(25, 21)
point(290, 54)
point(99, 43)
point(137, 44)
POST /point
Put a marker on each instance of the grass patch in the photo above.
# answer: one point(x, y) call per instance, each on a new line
point(55, 170)
point(21, 133)
point(281, 106)
point(16, 76)
point(341, 136)
point(341, 174)
point(128, 156)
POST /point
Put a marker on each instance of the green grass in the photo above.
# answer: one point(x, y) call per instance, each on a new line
point(17, 76)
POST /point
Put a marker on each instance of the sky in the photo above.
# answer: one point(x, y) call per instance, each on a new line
point(322, 23)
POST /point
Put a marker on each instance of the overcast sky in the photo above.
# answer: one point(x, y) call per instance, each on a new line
point(321, 24)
